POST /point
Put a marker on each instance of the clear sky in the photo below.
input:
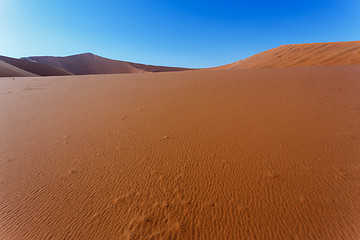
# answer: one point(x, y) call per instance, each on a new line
point(188, 33)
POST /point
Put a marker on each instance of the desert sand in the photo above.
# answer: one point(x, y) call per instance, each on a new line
point(233, 154)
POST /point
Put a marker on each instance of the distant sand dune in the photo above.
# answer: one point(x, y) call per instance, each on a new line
point(35, 68)
point(8, 70)
point(85, 64)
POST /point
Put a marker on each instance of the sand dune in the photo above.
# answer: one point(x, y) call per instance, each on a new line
point(35, 68)
point(297, 55)
point(84, 64)
point(248, 154)
point(294, 55)
point(8, 70)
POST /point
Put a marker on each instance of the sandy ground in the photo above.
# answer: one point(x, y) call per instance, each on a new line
point(247, 154)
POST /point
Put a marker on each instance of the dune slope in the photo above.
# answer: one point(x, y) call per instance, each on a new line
point(35, 68)
point(84, 64)
point(296, 55)
point(249, 154)
point(8, 70)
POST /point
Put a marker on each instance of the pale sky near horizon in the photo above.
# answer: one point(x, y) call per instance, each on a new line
point(171, 33)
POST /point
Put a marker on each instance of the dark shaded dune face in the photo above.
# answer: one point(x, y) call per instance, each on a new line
point(52, 61)
point(78, 64)
point(34, 67)
point(8, 70)
point(299, 55)
point(84, 64)
point(91, 64)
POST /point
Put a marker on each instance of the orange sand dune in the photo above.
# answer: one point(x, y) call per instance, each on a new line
point(8, 70)
point(88, 63)
point(248, 154)
point(36, 68)
point(296, 55)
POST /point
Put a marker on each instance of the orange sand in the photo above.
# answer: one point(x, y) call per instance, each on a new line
point(248, 154)
point(300, 55)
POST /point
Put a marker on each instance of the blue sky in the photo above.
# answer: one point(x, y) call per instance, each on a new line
point(173, 33)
